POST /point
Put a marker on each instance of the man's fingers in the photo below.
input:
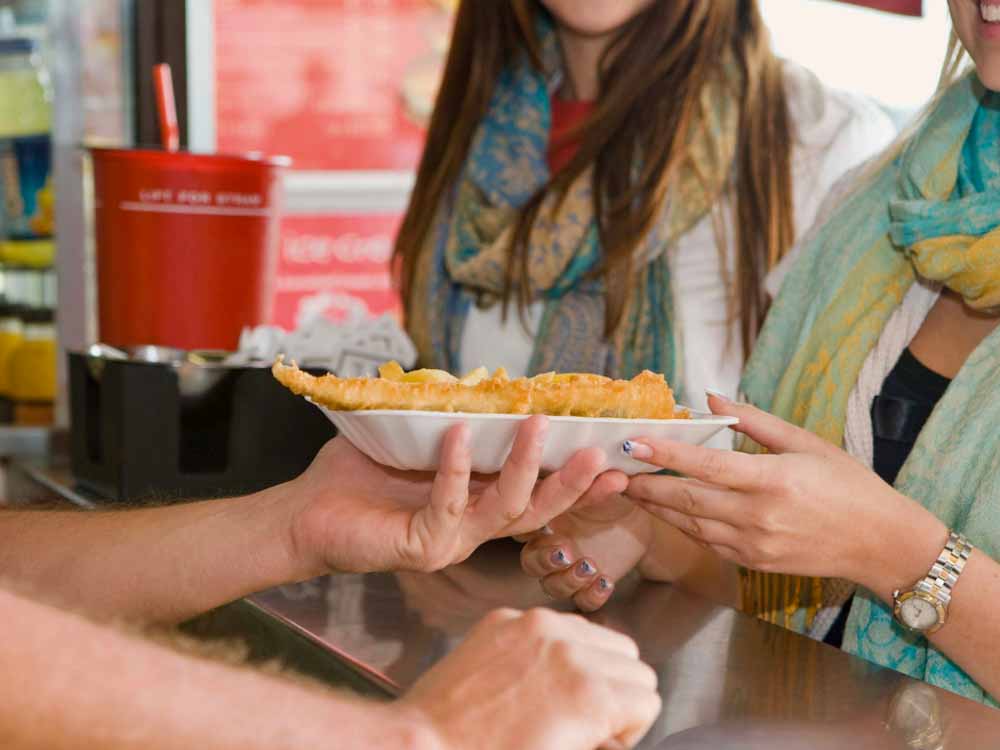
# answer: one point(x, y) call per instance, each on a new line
point(508, 497)
point(638, 708)
point(615, 666)
point(560, 491)
point(532, 535)
point(450, 491)
point(493, 619)
point(591, 635)
point(772, 432)
point(609, 485)
point(568, 627)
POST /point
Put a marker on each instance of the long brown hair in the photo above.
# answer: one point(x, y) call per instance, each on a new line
point(649, 95)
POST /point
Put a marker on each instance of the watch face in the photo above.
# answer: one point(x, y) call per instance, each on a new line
point(918, 613)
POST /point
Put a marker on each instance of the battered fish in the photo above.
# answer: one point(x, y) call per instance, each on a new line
point(646, 396)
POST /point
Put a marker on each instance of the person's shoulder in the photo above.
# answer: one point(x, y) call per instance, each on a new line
point(824, 117)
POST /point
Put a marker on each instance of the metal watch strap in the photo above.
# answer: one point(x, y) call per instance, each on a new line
point(945, 571)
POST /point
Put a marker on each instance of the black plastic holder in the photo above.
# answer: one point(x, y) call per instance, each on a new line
point(136, 439)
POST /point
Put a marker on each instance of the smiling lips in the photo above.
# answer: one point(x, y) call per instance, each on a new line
point(989, 10)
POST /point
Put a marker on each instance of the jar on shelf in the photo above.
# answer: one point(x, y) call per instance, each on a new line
point(28, 194)
point(31, 369)
point(27, 287)
point(11, 335)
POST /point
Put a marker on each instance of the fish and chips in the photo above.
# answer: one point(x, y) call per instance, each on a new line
point(646, 396)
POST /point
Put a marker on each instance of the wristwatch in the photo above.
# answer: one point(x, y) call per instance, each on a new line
point(924, 608)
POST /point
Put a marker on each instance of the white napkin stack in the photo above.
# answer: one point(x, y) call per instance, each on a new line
point(350, 350)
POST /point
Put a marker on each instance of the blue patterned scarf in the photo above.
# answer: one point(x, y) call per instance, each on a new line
point(465, 260)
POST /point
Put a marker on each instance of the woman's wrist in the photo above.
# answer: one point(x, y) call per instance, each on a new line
point(902, 550)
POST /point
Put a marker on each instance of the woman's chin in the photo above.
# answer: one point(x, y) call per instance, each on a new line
point(989, 76)
point(988, 67)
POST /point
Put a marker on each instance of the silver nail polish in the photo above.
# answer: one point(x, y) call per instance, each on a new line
point(602, 583)
point(627, 447)
point(559, 558)
point(585, 569)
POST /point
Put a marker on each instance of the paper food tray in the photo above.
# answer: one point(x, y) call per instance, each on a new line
point(411, 440)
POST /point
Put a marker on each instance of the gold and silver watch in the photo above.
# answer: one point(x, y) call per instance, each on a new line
point(924, 608)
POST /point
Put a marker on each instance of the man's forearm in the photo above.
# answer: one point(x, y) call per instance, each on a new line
point(68, 683)
point(157, 564)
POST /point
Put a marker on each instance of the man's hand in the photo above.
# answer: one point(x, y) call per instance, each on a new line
point(352, 514)
point(488, 693)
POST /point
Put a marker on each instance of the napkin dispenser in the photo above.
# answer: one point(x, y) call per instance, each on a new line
point(158, 424)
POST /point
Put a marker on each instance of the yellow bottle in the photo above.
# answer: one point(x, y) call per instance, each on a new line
point(31, 370)
point(11, 334)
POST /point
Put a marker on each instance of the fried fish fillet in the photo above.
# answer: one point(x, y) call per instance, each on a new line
point(646, 396)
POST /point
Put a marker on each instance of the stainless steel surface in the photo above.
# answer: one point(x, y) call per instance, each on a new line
point(728, 681)
point(198, 371)
point(105, 351)
point(45, 480)
point(30, 442)
point(156, 354)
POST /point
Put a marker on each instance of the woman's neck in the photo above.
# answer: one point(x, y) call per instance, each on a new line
point(582, 57)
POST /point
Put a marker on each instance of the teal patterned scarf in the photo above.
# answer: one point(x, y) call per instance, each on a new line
point(935, 211)
point(464, 260)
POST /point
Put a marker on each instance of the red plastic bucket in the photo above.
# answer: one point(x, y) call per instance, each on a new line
point(186, 245)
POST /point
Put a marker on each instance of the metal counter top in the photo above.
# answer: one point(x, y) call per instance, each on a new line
point(727, 680)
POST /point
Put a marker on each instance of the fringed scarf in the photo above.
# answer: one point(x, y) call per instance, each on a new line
point(934, 211)
point(466, 257)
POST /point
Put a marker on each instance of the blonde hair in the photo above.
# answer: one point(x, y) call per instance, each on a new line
point(956, 64)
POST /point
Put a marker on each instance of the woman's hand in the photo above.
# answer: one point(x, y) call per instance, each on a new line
point(805, 508)
point(585, 551)
point(352, 514)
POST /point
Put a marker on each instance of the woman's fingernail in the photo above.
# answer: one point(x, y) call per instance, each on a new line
point(636, 450)
point(719, 395)
point(603, 583)
point(560, 558)
point(584, 569)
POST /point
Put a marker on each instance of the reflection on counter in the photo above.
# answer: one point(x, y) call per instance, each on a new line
point(727, 681)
